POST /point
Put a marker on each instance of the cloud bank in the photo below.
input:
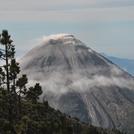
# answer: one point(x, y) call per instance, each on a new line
point(61, 83)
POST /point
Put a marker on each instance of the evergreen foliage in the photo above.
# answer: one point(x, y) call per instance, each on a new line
point(20, 110)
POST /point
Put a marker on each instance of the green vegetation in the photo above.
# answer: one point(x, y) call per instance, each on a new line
point(20, 110)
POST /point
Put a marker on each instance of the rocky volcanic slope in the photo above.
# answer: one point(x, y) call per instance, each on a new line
point(81, 82)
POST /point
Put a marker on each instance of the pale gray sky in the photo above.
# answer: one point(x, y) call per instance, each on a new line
point(27, 10)
point(105, 25)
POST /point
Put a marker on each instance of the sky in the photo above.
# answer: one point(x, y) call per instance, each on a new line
point(106, 26)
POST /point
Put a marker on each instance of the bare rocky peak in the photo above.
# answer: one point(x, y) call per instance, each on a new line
point(81, 82)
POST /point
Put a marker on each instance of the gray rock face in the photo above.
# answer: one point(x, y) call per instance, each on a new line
point(82, 83)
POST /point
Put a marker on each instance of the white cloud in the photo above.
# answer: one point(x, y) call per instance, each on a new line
point(59, 83)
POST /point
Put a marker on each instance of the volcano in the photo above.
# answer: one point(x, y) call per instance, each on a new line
point(81, 82)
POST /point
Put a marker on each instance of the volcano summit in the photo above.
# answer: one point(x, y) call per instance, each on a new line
point(81, 82)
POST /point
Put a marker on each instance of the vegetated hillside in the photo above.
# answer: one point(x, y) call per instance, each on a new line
point(40, 118)
point(81, 82)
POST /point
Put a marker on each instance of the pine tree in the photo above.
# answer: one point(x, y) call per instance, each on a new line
point(13, 90)
point(21, 84)
point(7, 54)
point(34, 93)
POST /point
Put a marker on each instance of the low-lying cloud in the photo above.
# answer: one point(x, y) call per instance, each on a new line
point(58, 83)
